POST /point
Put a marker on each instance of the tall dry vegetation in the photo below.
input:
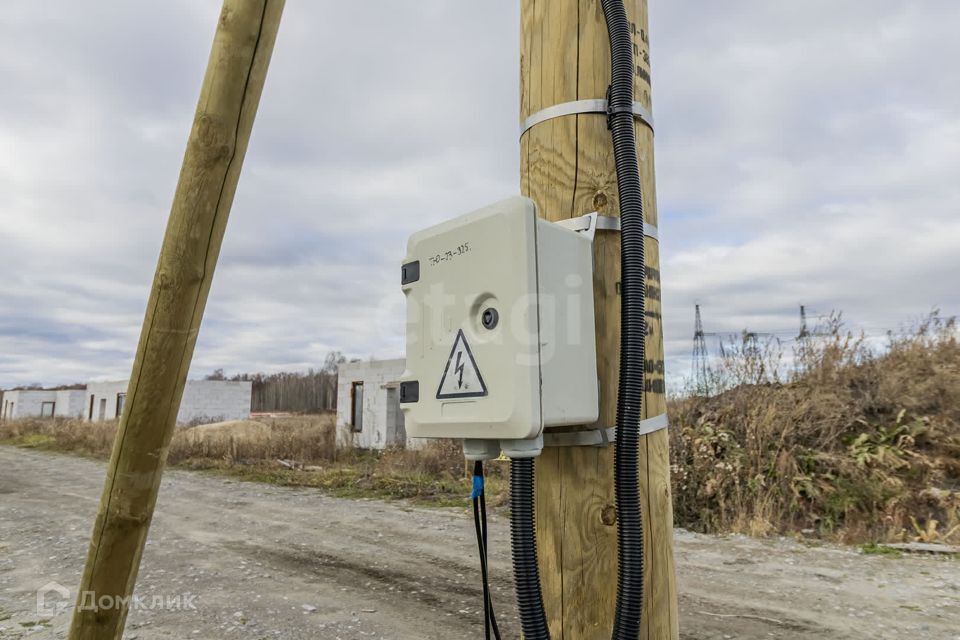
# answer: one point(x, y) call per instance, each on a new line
point(310, 439)
point(855, 444)
point(852, 444)
point(300, 438)
point(292, 451)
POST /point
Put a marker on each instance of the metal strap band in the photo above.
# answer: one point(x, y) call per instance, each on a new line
point(581, 106)
point(650, 231)
point(654, 424)
point(595, 222)
point(600, 437)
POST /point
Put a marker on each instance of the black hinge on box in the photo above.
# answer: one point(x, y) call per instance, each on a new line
point(410, 391)
point(410, 272)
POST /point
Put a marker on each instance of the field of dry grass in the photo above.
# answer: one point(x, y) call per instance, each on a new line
point(290, 451)
point(855, 445)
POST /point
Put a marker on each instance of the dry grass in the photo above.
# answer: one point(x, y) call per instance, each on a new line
point(855, 446)
point(293, 451)
point(310, 439)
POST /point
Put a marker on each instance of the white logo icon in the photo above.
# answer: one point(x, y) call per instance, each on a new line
point(52, 599)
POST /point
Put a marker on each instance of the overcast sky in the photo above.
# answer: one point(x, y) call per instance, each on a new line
point(806, 153)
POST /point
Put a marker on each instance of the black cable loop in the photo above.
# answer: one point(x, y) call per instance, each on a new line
point(632, 325)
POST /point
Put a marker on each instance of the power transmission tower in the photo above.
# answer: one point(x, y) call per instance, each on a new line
point(805, 331)
point(700, 368)
point(751, 336)
point(751, 344)
point(804, 349)
point(699, 365)
point(753, 363)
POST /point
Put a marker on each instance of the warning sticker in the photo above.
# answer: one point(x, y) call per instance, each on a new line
point(461, 378)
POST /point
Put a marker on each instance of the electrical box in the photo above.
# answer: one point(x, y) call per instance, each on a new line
point(500, 330)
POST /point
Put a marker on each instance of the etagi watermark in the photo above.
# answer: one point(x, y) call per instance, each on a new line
point(53, 599)
point(520, 322)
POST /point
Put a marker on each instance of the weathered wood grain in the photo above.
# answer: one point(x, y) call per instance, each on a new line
point(567, 167)
point(229, 97)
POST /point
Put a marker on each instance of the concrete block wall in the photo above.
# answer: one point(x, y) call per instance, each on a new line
point(104, 399)
point(379, 377)
point(70, 403)
point(202, 401)
point(25, 403)
point(215, 400)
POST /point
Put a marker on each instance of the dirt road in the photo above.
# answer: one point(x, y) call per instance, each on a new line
point(243, 560)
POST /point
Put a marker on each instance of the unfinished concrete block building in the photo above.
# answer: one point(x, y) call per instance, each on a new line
point(203, 401)
point(42, 403)
point(368, 405)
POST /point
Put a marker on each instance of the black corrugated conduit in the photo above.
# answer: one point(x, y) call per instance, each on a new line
point(633, 328)
point(523, 538)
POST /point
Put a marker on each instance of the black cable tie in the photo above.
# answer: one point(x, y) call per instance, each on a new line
point(609, 107)
point(615, 110)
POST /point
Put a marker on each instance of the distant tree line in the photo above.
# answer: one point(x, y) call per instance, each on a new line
point(309, 392)
point(40, 387)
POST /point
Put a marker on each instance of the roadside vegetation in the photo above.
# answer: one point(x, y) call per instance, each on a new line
point(855, 443)
point(291, 451)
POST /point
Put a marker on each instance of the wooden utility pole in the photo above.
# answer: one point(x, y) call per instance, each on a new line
point(229, 97)
point(567, 167)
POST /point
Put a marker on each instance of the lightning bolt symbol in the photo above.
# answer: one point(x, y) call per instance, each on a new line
point(459, 370)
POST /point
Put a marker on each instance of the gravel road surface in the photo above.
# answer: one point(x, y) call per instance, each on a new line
point(256, 561)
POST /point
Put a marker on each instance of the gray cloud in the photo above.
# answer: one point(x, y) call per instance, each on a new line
point(805, 153)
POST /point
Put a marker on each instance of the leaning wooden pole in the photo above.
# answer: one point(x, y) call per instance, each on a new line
point(567, 167)
point(229, 97)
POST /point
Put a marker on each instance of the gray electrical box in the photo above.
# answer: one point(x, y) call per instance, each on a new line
point(500, 330)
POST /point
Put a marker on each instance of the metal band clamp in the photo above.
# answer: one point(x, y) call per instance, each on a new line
point(600, 437)
point(593, 222)
point(582, 106)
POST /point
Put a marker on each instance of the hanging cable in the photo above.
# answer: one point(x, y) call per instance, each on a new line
point(620, 121)
point(478, 496)
point(483, 515)
point(523, 538)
